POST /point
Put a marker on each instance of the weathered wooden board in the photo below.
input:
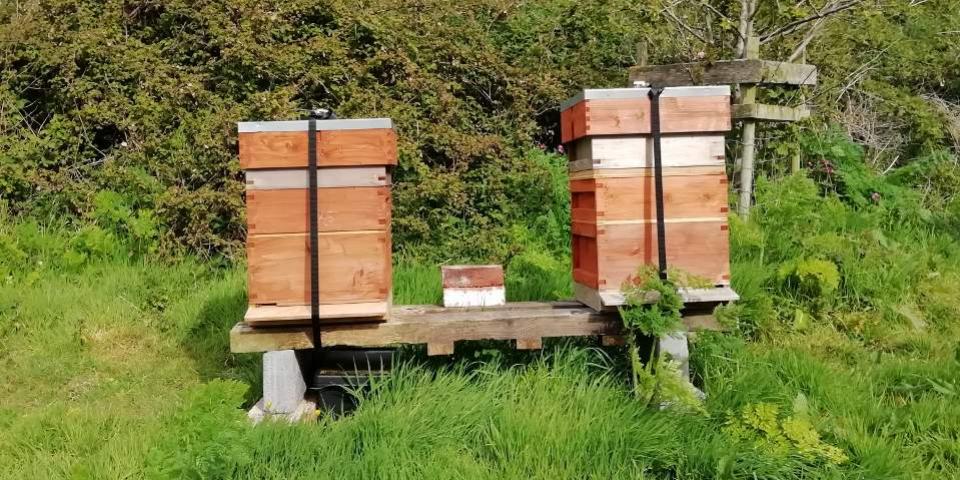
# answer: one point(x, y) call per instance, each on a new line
point(627, 112)
point(340, 209)
point(260, 315)
point(440, 328)
point(635, 151)
point(605, 299)
point(354, 267)
point(286, 149)
point(329, 177)
point(605, 256)
point(601, 200)
point(725, 72)
point(770, 113)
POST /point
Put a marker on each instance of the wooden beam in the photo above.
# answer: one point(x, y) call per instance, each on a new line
point(437, 348)
point(773, 113)
point(725, 72)
point(529, 343)
point(441, 327)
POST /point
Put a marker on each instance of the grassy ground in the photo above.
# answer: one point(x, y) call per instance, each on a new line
point(115, 367)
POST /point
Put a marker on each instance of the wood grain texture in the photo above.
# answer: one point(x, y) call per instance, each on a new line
point(354, 268)
point(442, 327)
point(439, 348)
point(573, 122)
point(340, 209)
point(529, 344)
point(700, 248)
point(691, 114)
point(295, 314)
point(471, 276)
point(634, 198)
point(636, 151)
point(376, 146)
point(771, 113)
point(725, 72)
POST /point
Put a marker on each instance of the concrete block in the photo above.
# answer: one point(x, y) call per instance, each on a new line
point(283, 382)
point(676, 347)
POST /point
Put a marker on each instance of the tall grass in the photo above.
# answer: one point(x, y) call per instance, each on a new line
point(115, 366)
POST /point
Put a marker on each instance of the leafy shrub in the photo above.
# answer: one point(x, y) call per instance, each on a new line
point(812, 278)
point(207, 437)
point(763, 427)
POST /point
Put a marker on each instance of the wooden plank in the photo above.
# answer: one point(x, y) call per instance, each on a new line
point(573, 122)
point(471, 276)
point(376, 146)
point(340, 209)
point(637, 152)
point(293, 314)
point(330, 177)
point(604, 299)
point(354, 267)
point(693, 114)
point(633, 198)
point(439, 326)
point(529, 344)
point(436, 325)
point(771, 113)
point(725, 72)
point(697, 247)
point(439, 348)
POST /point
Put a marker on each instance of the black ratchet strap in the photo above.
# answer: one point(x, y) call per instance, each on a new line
point(314, 241)
point(658, 178)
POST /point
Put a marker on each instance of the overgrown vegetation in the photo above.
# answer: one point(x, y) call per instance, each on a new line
point(121, 218)
point(129, 106)
point(843, 362)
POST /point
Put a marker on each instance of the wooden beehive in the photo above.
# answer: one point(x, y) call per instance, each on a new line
point(353, 198)
point(613, 203)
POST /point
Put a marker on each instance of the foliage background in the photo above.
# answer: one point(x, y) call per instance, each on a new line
point(121, 114)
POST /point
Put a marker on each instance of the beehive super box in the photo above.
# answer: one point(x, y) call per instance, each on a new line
point(353, 158)
point(613, 210)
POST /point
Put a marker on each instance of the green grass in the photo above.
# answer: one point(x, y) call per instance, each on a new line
point(115, 367)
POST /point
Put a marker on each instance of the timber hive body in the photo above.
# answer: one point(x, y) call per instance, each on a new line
point(613, 200)
point(354, 205)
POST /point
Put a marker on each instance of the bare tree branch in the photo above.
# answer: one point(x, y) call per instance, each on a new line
point(797, 24)
point(745, 28)
point(814, 30)
point(669, 12)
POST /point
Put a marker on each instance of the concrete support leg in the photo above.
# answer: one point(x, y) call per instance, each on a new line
point(283, 382)
point(675, 346)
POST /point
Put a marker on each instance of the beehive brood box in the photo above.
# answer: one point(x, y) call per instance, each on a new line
point(613, 203)
point(353, 199)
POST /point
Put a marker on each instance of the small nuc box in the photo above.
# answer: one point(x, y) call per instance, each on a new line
point(473, 285)
point(354, 158)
